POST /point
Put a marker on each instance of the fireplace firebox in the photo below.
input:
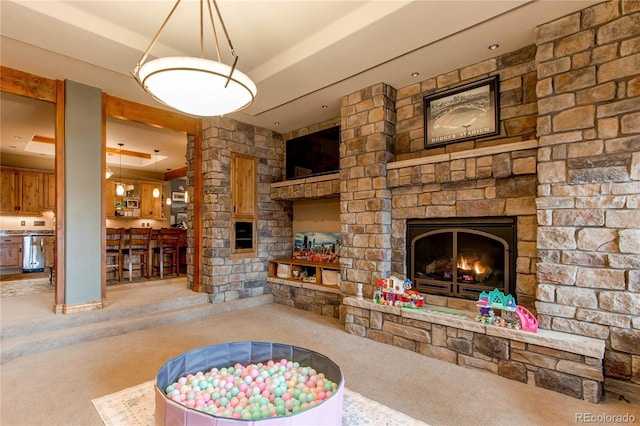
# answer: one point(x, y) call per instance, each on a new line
point(461, 257)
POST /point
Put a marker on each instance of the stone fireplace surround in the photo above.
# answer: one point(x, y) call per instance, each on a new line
point(561, 362)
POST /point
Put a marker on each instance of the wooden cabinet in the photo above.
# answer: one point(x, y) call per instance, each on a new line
point(11, 253)
point(30, 192)
point(243, 186)
point(21, 192)
point(137, 202)
point(8, 191)
point(110, 198)
point(243, 204)
point(150, 207)
point(304, 271)
point(48, 191)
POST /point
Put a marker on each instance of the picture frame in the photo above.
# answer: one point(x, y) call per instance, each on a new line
point(132, 203)
point(462, 113)
point(181, 217)
point(178, 196)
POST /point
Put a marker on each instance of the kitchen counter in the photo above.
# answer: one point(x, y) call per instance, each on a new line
point(25, 232)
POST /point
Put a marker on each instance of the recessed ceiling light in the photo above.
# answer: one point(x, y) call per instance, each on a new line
point(493, 46)
point(277, 123)
point(324, 107)
point(17, 138)
point(415, 74)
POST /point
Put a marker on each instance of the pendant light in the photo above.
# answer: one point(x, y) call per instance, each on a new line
point(120, 186)
point(156, 190)
point(196, 85)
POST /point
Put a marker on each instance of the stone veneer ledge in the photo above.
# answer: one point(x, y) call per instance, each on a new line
point(561, 362)
point(545, 338)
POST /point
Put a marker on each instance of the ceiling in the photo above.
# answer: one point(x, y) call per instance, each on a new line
point(303, 55)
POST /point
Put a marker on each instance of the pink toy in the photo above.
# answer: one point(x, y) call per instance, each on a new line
point(527, 320)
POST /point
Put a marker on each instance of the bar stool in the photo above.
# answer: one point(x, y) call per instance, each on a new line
point(168, 247)
point(113, 252)
point(137, 251)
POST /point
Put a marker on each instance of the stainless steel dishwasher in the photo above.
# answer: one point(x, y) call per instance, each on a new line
point(33, 253)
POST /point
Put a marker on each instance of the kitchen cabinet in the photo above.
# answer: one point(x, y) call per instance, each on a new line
point(150, 207)
point(123, 206)
point(11, 253)
point(110, 198)
point(8, 190)
point(243, 186)
point(48, 191)
point(136, 202)
point(243, 204)
point(21, 192)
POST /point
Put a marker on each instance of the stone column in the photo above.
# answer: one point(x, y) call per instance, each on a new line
point(368, 128)
point(588, 202)
point(226, 276)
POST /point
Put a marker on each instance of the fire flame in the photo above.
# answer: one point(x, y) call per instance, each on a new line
point(468, 265)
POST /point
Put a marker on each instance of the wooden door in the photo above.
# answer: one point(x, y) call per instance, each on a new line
point(30, 192)
point(8, 191)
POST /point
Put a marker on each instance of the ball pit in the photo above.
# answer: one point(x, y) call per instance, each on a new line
point(249, 382)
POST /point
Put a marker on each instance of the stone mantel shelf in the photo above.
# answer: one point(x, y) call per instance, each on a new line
point(471, 153)
point(545, 338)
point(314, 179)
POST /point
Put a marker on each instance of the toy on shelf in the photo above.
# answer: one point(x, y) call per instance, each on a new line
point(513, 316)
point(394, 291)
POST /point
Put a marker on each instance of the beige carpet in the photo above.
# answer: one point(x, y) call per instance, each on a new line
point(135, 406)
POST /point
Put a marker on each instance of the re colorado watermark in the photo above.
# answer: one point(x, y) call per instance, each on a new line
point(605, 418)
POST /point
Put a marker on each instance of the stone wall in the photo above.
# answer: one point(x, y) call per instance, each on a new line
point(518, 107)
point(589, 183)
point(550, 360)
point(493, 181)
point(224, 276)
point(368, 128)
point(321, 300)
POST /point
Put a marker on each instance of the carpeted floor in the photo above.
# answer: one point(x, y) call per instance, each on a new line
point(56, 387)
point(135, 406)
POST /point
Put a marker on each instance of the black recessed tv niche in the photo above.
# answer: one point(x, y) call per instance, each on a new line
point(314, 154)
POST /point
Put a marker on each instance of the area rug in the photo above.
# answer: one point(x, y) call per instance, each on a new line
point(135, 406)
point(25, 287)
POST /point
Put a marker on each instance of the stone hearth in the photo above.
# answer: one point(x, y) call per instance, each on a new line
point(560, 362)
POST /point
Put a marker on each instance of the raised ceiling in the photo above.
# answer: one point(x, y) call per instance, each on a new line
point(303, 55)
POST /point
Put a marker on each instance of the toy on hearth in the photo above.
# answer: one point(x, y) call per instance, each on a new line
point(391, 290)
point(413, 299)
point(513, 316)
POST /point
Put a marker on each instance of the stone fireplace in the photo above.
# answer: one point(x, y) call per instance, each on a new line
point(462, 257)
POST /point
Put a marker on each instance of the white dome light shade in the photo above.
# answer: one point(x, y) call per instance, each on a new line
point(196, 85)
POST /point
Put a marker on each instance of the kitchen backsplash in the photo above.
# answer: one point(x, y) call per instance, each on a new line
point(28, 223)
